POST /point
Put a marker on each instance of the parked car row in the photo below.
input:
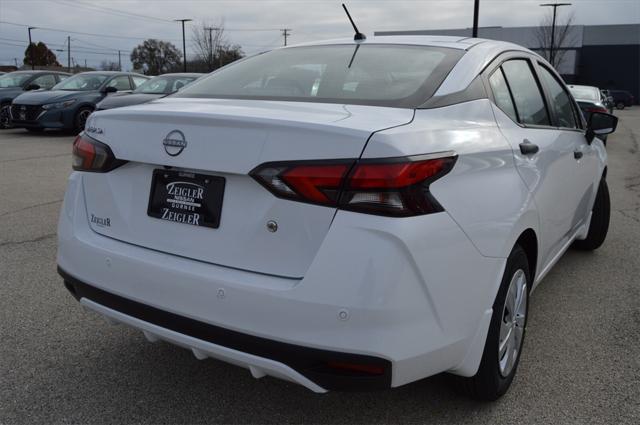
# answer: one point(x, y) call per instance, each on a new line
point(37, 100)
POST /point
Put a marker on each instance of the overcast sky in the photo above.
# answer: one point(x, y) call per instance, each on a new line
point(255, 24)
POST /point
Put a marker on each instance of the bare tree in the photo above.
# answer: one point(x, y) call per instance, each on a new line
point(561, 37)
point(213, 49)
point(208, 38)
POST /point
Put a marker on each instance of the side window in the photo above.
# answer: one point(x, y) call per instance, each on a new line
point(137, 81)
point(526, 93)
point(62, 77)
point(561, 102)
point(121, 83)
point(501, 94)
point(45, 81)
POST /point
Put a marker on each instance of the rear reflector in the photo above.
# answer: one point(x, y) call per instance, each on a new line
point(391, 186)
point(94, 156)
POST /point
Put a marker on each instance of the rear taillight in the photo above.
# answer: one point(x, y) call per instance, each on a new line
point(91, 155)
point(393, 186)
point(597, 109)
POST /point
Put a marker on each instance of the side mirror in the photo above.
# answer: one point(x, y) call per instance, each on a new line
point(600, 124)
point(109, 89)
point(32, 86)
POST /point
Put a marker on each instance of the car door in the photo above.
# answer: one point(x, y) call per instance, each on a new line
point(569, 122)
point(544, 155)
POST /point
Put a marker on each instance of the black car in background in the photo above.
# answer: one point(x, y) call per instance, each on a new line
point(622, 98)
point(68, 104)
point(607, 100)
point(15, 83)
point(154, 88)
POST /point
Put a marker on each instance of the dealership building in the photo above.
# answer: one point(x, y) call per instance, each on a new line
point(605, 56)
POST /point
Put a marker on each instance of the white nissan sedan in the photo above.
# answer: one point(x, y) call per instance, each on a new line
point(343, 215)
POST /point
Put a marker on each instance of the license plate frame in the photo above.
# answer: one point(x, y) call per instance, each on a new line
point(186, 198)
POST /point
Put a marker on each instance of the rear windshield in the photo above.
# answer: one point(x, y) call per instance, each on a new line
point(586, 93)
point(365, 74)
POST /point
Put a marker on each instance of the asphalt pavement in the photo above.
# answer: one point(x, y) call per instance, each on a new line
point(62, 364)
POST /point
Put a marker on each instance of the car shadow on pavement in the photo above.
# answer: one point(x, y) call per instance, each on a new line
point(160, 383)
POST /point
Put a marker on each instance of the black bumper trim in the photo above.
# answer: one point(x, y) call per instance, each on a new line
point(310, 362)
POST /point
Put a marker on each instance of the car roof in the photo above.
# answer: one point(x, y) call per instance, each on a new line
point(452, 42)
point(581, 86)
point(181, 74)
point(38, 71)
point(112, 73)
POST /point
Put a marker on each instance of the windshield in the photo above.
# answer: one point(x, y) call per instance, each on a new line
point(13, 79)
point(364, 74)
point(163, 85)
point(82, 82)
point(585, 93)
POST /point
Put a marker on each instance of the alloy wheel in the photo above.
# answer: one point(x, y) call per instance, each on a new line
point(5, 121)
point(514, 314)
point(82, 118)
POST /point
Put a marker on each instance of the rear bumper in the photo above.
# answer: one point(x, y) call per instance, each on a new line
point(303, 365)
point(412, 296)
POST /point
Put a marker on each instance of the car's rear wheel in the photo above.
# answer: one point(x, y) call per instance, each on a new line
point(5, 118)
point(620, 105)
point(600, 215)
point(81, 118)
point(506, 333)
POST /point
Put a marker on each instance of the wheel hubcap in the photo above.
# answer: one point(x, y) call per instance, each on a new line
point(514, 314)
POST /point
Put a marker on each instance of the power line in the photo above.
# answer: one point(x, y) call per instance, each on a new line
point(108, 10)
point(89, 33)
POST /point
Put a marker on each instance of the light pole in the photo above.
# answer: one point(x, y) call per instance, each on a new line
point(553, 27)
point(476, 12)
point(184, 44)
point(31, 48)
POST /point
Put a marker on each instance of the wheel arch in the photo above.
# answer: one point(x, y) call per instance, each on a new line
point(528, 241)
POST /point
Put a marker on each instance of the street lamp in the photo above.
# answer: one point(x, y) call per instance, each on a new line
point(31, 48)
point(553, 27)
point(184, 44)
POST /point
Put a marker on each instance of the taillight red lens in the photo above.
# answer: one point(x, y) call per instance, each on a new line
point(597, 109)
point(394, 187)
point(91, 155)
point(393, 176)
point(316, 183)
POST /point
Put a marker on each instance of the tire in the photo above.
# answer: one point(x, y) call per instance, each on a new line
point(497, 369)
point(81, 118)
point(5, 118)
point(599, 226)
point(620, 105)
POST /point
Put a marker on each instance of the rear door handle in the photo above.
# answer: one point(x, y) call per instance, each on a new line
point(577, 154)
point(528, 148)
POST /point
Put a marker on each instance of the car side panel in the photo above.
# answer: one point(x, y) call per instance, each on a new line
point(483, 193)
